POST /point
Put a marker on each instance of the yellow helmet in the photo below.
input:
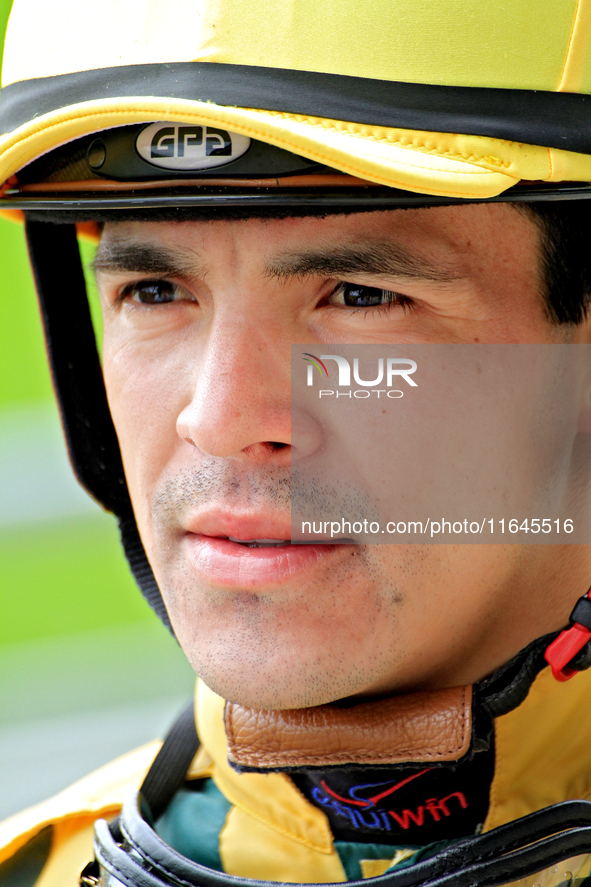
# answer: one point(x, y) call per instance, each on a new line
point(459, 100)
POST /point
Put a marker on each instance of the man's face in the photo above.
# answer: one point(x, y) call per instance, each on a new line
point(199, 318)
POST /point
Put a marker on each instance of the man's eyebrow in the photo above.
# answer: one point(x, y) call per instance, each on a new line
point(144, 258)
point(375, 258)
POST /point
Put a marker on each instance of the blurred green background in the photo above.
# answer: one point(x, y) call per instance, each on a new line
point(86, 670)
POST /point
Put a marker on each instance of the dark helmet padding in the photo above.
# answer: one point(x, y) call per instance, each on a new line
point(78, 381)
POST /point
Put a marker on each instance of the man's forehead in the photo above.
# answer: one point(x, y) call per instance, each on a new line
point(346, 224)
point(427, 242)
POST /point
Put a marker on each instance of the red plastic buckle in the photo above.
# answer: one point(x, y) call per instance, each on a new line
point(566, 646)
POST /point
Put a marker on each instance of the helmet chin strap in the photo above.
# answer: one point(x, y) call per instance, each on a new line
point(78, 381)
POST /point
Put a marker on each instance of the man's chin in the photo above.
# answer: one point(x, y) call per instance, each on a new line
point(273, 689)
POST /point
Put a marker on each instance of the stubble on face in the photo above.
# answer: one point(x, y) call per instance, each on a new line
point(350, 629)
point(276, 646)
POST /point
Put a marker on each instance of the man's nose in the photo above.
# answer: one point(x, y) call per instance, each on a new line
point(240, 404)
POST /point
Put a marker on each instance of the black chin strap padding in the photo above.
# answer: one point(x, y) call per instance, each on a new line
point(170, 765)
point(508, 686)
point(78, 381)
point(141, 569)
point(75, 365)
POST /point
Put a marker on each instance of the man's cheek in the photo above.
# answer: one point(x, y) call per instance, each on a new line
point(144, 414)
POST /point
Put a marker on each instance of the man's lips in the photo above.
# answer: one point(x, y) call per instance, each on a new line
point(241, 528)
point(243, 565)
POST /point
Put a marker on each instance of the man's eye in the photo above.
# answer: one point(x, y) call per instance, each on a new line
point(153, 292)
point(355, 296)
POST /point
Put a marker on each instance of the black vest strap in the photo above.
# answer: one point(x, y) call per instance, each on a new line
point(171, 763)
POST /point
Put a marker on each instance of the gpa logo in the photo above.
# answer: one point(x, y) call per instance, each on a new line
point(184, 146)
point(393, 369)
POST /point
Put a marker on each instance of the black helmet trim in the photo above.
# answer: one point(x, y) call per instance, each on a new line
point(156, 166)
point(537, 117)
point(248, 202)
